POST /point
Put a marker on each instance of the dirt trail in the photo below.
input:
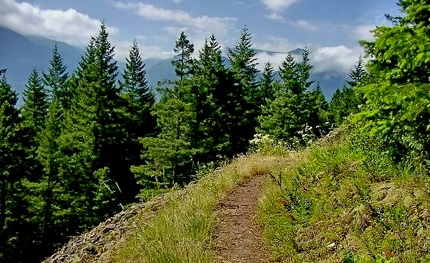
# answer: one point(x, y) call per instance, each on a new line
point(238, 237)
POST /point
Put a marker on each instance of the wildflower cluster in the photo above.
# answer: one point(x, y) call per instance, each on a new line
point(265, 144)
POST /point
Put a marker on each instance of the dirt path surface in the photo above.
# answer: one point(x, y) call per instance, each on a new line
point(238, 237)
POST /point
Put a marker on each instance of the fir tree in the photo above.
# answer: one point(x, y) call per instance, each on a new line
point(349, 99)
point(243, 67)
point(297, 112)
point(55, 79)
point(138, 120)
point(12, 171)
point(183, 62)
point(358, 74)
point(266, 84)
point(396, 110)
point(170, 154)
point(90, 144)
point(213, 95)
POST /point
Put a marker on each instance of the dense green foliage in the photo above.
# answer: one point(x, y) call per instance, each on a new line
point(84, 145)
point(296, 111)
point(341, 200)
point(397, 109)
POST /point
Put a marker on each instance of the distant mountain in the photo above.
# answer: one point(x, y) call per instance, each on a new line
point(328, 80)
point(20, 55)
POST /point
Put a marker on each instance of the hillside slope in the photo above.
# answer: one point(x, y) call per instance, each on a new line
point(175, 227)
point(342, 201)
point(332, 202)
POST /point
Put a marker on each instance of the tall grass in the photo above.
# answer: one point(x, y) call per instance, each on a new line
point(340, 202)
point(182, 230)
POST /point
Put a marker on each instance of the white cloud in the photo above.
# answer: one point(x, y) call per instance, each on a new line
point(362, 32)
point(217, 25)
point(278, 5)
point(278, 47)
point(177, 1)
point(275, 17)
point(304, 24)
point(276, 44)
point(122, 49)
point(69, 25)
point(337, 58)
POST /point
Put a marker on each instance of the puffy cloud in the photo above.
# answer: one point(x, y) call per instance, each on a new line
point(122, 49)
point(278, 48)
point(217, 25)
point(303, 24)
point(337, 58)
point(275, 17)
point(69, 25)
point(362, 32)
point(278, 5)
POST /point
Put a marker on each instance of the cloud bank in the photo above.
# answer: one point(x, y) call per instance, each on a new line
point(68, 26)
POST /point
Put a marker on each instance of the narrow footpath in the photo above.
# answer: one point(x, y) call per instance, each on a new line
point(238, 237)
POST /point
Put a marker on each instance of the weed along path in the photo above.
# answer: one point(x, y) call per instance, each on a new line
point(238, 237)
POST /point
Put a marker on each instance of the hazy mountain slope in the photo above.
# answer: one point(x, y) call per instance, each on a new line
point(20, 55)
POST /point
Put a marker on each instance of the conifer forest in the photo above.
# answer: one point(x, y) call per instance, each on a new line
point(87, 143)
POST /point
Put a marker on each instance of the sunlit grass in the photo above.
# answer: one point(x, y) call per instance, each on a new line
point(338, 203)
point(182, 230)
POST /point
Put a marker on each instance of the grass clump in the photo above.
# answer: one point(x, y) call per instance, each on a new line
point(341, 202)
point(182, 230)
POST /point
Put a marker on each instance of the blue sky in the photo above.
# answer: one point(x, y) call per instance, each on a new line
point(330, 28)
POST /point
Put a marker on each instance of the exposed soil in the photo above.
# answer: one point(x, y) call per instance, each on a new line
point(238, 236)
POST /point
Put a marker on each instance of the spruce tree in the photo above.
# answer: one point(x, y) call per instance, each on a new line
point(397, 99)
point(12, 171)
point(138, 121)
point(56, 80)
point(170, 154)
point(266, 84)
point(297, 113)
point(93, 135)
point(243, 67)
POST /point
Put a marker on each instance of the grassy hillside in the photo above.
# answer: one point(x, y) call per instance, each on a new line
point(182, 230)
point(339, 201)
point(336, 201)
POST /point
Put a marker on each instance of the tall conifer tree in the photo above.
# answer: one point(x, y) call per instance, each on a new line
point(243, 67)
point(138, 120)
point(12, 171)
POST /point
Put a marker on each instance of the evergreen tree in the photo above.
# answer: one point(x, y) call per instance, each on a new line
point(214, 95)
point(397, 100)
point(183, 62)
point(12, 171)
point(138, 120)
point(170, 154)
point(358, 75)
point(349, 99)
point(266, 84)
point(297, 112)
point(93, 136)
point(55, 79)
point(35, 105)
point(243, 67)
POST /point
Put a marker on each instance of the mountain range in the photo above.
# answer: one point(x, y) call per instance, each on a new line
point(21, 54)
